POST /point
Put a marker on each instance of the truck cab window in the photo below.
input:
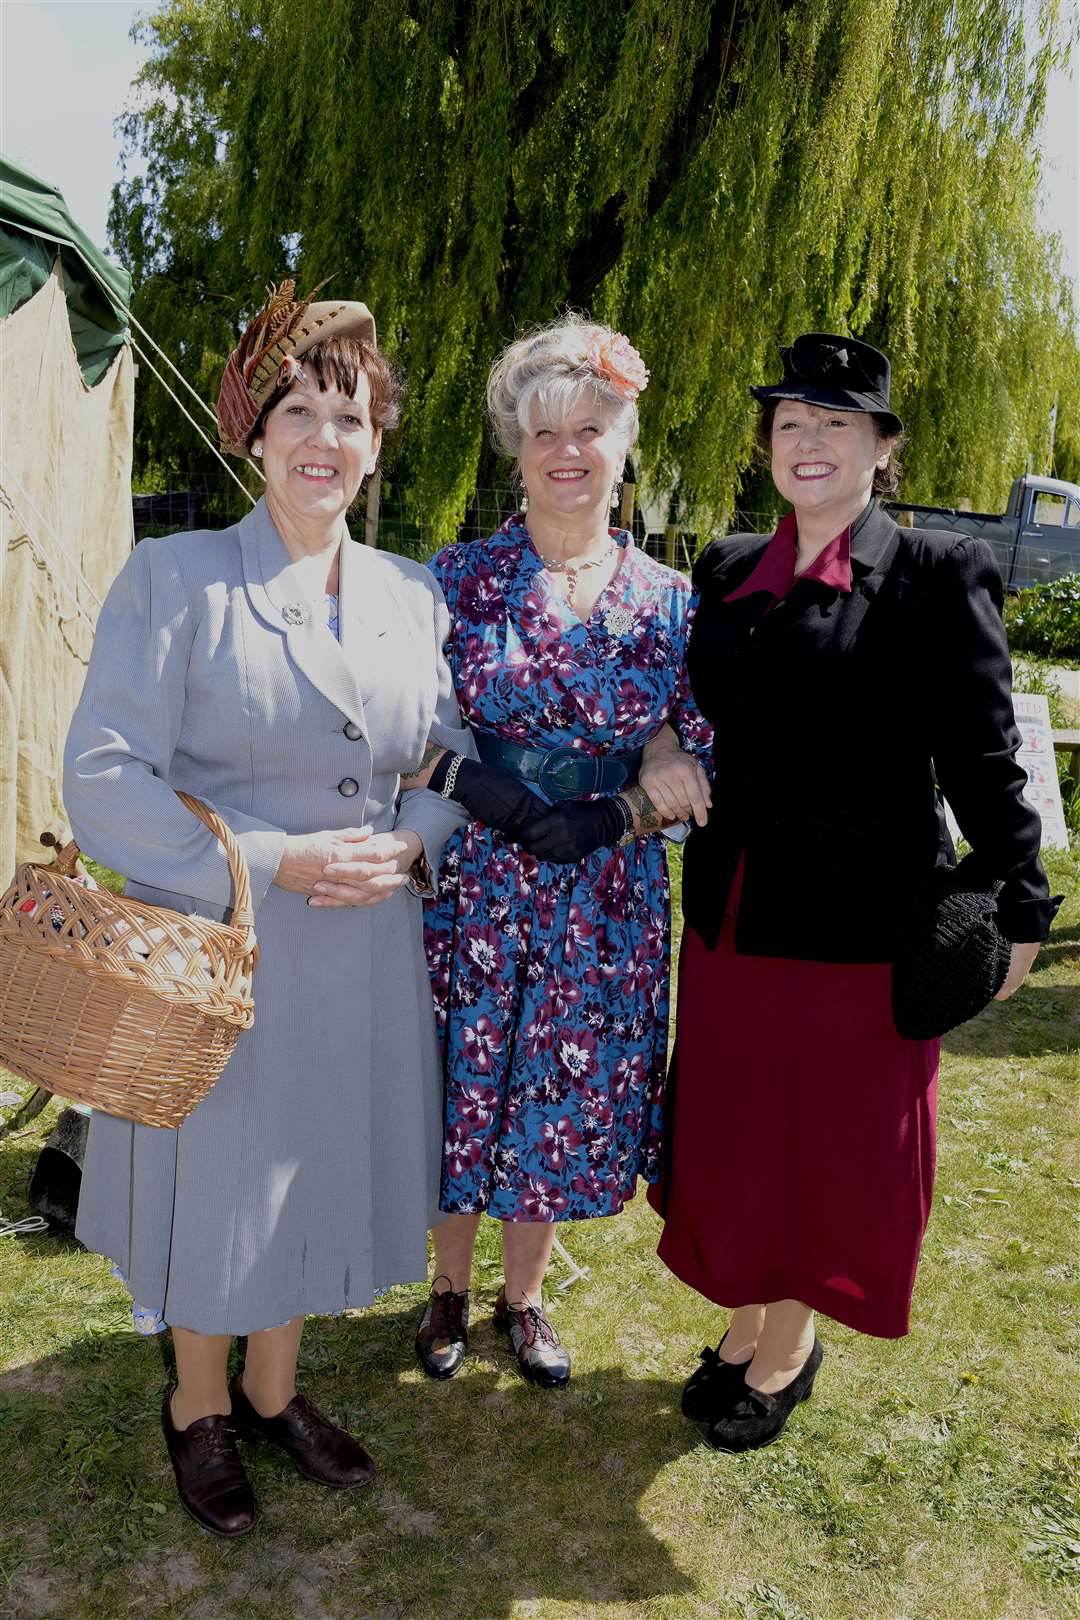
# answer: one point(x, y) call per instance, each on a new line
point(1050, 509)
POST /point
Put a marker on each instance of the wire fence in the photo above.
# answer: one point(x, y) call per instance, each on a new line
point(388, 521)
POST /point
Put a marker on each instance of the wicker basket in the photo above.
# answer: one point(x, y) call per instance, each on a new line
point(130, 1007)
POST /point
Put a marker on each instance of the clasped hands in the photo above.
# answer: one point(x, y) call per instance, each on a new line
point(673, 780)
point(353, 866)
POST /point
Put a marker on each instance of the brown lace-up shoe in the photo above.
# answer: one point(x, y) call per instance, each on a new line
point(213, 1487)
point(537, 1346)
point(321, 1451)
point(445, 1323)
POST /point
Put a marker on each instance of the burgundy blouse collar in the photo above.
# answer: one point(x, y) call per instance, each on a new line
point(775, 569)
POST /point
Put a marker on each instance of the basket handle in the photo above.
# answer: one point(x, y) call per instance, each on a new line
point(67, 856)
point(242, 914)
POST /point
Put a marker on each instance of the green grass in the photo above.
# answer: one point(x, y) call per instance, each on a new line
point(932, 1479)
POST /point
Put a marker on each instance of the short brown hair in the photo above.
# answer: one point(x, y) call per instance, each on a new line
point(886, 479)
point(337, 363)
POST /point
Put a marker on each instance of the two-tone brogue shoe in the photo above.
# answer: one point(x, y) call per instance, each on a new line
point(443, 1335)
point(539, 1350)
point(322, 1452)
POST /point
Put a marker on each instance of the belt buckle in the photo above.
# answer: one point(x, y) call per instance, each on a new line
point(558, 776)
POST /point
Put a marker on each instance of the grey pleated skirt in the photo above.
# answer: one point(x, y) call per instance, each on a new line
point(307, 1179)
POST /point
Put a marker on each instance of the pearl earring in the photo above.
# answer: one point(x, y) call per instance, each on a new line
point(256, 451)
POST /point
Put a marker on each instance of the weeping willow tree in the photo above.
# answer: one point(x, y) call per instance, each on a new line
point(710, 177)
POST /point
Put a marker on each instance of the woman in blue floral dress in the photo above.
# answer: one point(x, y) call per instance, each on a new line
point(551, 980)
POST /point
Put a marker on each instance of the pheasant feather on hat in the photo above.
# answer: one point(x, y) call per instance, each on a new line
point(283, 330)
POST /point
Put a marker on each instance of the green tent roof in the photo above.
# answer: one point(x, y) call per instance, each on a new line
point(34, 226)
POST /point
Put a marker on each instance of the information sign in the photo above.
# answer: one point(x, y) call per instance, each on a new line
point(1036, 755)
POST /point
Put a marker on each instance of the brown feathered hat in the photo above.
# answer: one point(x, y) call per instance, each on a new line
point(283, 330)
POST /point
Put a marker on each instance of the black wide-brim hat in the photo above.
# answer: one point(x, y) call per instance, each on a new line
point(824, 368)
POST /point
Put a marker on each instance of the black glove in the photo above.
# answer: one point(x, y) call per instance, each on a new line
point(491, 795)
point(570, 831)
point(563, 833)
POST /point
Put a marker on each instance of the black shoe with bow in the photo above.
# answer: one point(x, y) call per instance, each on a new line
point(708, 1390)
point(322, 1452)
point(443, 1335)
point(753, 1419)
point(539, 1349)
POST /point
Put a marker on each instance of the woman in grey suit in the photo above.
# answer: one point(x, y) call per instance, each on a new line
point(290, 678)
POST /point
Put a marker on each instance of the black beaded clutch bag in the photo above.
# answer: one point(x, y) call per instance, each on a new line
point(952, 957)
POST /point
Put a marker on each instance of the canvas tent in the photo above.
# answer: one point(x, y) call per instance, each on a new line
point(66, 405)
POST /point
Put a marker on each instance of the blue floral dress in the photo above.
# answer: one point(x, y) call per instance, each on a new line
point(551, 982)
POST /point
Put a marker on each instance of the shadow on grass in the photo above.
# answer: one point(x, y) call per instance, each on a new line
point(1042, 1017)
point(1062, 949)
point(1030, 1024)
point(489, 1492)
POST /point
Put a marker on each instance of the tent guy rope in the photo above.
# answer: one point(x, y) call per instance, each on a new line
point(55, 574)
point(117, 304)
point(25, 494)
point(145, 358)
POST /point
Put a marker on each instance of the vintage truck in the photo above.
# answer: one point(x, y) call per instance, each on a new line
point(1036, 538)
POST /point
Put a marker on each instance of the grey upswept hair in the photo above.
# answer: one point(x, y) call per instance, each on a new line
point(543, 376)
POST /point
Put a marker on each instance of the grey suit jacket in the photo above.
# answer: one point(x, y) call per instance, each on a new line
point(212, 672)
point(306, 1179)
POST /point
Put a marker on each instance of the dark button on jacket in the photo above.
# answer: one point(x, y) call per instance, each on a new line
point(837, 716)
point(352, 731)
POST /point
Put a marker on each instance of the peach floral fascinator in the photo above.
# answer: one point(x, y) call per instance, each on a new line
point(612, 356)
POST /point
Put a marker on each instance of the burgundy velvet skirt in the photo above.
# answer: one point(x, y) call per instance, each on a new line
point(800, 1155)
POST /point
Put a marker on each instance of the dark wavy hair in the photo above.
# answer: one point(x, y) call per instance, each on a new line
point(886, 479)
point(337, 363)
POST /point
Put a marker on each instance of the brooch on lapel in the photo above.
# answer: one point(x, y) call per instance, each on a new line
point(294, 613)
point(618, 620)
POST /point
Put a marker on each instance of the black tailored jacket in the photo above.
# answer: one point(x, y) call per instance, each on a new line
point(836, 719)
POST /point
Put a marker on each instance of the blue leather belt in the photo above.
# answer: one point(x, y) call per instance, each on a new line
point(561, 773)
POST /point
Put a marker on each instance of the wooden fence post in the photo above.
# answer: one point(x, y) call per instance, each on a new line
point(669, 545)
point(626, 506)
point(371, 519)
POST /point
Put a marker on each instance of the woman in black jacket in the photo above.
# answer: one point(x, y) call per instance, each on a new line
point(850, 669)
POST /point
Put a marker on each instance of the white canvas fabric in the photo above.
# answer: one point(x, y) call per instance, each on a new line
point(65, 487)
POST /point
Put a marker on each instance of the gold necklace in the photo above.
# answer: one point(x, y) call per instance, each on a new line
point(573, 566)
